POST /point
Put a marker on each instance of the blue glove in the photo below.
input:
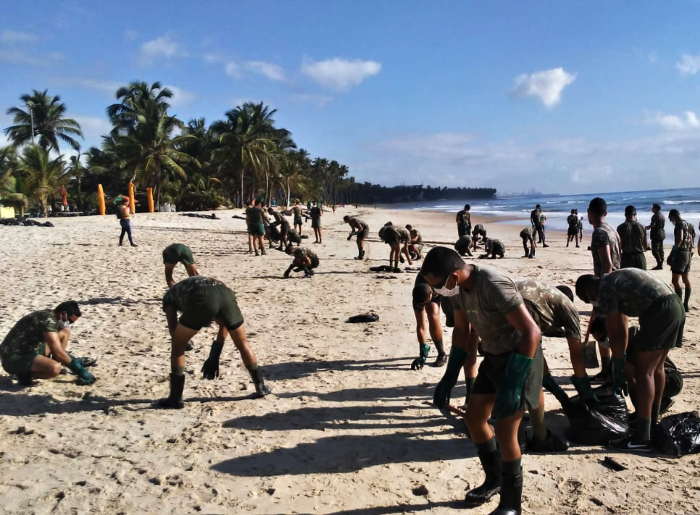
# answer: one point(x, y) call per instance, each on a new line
point(508, 397)
point(84, 377)
point(443, 390)
point(210, 368)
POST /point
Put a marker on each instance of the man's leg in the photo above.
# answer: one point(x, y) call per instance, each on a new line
point(240, 340)
point(45, 368)
point(648, 372)
point(686, 283)
point(179, 340)
point(127, 227)
point(121, 236)
point(526, 248)
point(676, 281)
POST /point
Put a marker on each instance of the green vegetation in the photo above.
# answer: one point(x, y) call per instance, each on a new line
point(195, 166)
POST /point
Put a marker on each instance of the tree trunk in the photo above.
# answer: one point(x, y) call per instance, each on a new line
point(242, 197)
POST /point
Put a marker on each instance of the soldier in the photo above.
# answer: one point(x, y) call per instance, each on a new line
point(463, 244)
point(256, 227)
point(573, 230)
point(293, 237)
point(297, 212)
point(395, 237)
point(487, 303)
point(633, 240)
point(657, 234)
point(681, 255)
point(361, 230)
point(415, 243)
point(536, 222)
point(36, 346)
point(316, 213)
point(529, 244)
point(174, 254)
point(479, 231)
point(305, 260)
point(203, 300)
point(635, 293)
point(494, 248)
point(284, 226)
point(464, 221)
point(425, 300)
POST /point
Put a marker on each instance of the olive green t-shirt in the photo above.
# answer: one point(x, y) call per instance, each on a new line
point(27, 335)
point(486, 305)
point(255, 215)
point(630, 291)
point(464, 217)
point(177, 253)
point(657, 231)
point(549, 307)
point(602, 236)
point(631, 237)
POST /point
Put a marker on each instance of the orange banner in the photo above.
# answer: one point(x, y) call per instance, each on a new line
point(101, 200)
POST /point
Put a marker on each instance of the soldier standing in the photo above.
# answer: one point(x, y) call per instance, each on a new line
point(633, 239)
point(657, 234)
point(573, 230)
point(681, 255)
point(464, 221)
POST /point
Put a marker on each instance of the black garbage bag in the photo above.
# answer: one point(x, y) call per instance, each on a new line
point(679, 434)
point(275, 234)
point(597, 424)
point(370, 316)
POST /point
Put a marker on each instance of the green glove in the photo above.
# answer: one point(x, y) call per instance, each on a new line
point(583, 387)
point(84, 377)
point(286, 272)
point(510, 390)
point(210, 369)
point(619, 381)
point(443, 390)
point(424, 351)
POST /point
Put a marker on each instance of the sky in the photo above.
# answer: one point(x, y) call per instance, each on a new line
point(562, 97)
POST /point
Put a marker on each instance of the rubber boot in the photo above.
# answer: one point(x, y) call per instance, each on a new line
point(260, 389)
point(491, 463)
point(174, 400)
point(511, 495)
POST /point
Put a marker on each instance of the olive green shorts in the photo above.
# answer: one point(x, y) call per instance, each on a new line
point(365, 232)
point(391, 237)
point(256, 229)
point(218, 302)
point(297, 220)
point(661, 325)
point(681, 262)
point(316, 223)
point(637, 260)
point(20, 363)
point(493, 369)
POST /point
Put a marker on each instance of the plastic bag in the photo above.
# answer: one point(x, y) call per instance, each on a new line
point(679, 434)
point(599, 423)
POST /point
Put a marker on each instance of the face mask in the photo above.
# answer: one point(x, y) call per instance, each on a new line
point(62, 325)
point(448, 293)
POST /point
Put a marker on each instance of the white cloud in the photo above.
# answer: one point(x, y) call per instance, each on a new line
point(12, 37)
point(108, 86)
point(181, 97)
point(319, 101)
point(546, 85)
point(269, 70)
point(689, 64)
point(339, 74)
point(232, 69)
point(16, 48)
point(93, 127)
point(687, 121)
point(162, 47)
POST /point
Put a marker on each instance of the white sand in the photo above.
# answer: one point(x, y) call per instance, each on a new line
point(348, 428)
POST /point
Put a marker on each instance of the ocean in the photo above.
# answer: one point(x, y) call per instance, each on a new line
point(516, 210)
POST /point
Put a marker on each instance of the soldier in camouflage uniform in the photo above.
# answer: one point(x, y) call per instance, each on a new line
point(633, 240)
point(463, 245)
point(426, 301)
point(305, 260)
point(487, 305)
point(203, 300)
point(174, 254)
point(631, 292)
point(464, 221)
point(36, 346)
point(681, 254)
point(297, 212)
point(361, 230)
point(494, 248)
point(415, 244)
point(657, 234)
point(284, 226)
point(397, 238)
point(479, 231)
point(529, 245)
point(573, 230)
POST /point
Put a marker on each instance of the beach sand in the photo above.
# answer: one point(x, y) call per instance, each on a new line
point(348, 428)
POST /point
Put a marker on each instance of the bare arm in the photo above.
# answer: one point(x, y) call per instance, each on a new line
point(462, 330)
point(169, 267)
point(530, 334)
point(56, 349)
point(617, 333)
point(605, 260)
point(420, 325)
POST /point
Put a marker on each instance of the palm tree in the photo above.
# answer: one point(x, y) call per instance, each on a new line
point(43, 176)
point(45, 114)
point(77, 171)
point(10, 185)
point(137, 100)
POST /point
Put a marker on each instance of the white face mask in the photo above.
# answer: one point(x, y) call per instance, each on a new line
point(448, 293)
point(62, 325)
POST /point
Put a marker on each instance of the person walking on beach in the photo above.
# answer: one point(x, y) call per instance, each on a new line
point(174, 254)
point(537, 224)
point(573, 230)
point(256, 227)
point(415, 243)
point(316, 213)
point(529, 245)
point(305, 260)
point(35, 348)
point(657, 234)
point(360, 229)
point(427, 302)
point(681, 255)
point(478, 232)
point(464, 221)
point(283, 224)
point(297, 212)
point(633, 240)
point(631, 292)
point(125, 213)
point(509, 379)
point(203, 300)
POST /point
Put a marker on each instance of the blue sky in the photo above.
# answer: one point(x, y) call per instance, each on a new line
point(565, 97)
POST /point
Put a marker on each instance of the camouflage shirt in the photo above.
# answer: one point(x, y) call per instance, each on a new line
point(479, 229)
point(304, 252)
point(27, 336)
point(177, 253)
point(189, 292)
point(495, 247)
point(656, 231)
point(255, 215)
point(404, 237)
point(486, 305)
point(682, 230)
point(464, 218)
point(630, 291)
point(418, 240)
point(573, 221)
point(631, 237)
point(527, 233)
point(357, 224)
point(549, 307)
point(603, 236)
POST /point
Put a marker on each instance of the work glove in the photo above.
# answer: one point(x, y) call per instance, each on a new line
point(618, 372)
point(583, 387)
point(508, 397)
point(84, 377)
point(286, 273)
point(210, 368)
point(443, 390)
point(419, 362)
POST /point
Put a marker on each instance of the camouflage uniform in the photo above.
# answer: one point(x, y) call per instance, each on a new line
point(637, 293)
point(486, 305)
point(528, 235)
point(479, 230)
point(603, 236)
point(304, 252)
point(495, 248)
point(572, 221)
point(293, 236)
point(462, 245)
point(657, 234)
point(256, 225)
point(419, 240)
point(464, 223)
point(282, 222)
point(359, 222)
point(177, 253)
point(296, 210)
point(550, 308)
point(26, 341)
point(631, 235)
point(682, 256)
point(201, 300)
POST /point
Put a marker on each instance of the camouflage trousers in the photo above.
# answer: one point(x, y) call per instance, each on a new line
point(657, 250)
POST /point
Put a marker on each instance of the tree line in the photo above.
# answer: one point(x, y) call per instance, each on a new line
point(195, 165)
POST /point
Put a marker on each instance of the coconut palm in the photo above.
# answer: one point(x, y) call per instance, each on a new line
point(43, 175)
point(11, 187)
point(138, 100)
point(46, 114)
point(77, 171)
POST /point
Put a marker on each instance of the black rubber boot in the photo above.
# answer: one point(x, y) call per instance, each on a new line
point(491, 462)
point(260, 389)
point(511, 495)
point(174, 400)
